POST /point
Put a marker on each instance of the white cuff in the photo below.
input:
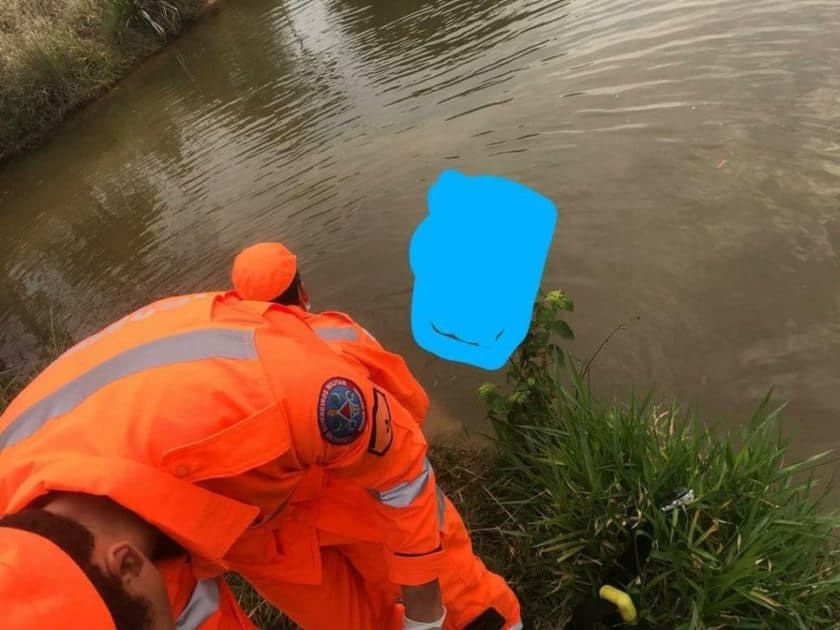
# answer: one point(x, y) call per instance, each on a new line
point(409, 624)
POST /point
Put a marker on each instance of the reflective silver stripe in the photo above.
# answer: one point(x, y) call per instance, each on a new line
point(517, 626)
point(367, 332)
point(441, 507)
point(336, 333)
point(402, 495)
point(210, 343)
point(203, 603)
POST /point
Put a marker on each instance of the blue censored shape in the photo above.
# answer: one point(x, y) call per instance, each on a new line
point(478, 260)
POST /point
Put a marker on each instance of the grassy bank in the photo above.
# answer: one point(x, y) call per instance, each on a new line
point(57, 54)
point(553, 504)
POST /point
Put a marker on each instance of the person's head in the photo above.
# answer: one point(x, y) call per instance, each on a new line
point(113, 549)
point(294, 295)
point(267, 272)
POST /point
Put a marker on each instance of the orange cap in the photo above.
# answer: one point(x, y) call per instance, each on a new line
point(263, 271)
point(42, 587)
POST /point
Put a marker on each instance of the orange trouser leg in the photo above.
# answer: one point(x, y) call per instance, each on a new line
point(468, 588)
point(341, 600)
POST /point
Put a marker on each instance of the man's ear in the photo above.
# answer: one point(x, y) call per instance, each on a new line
point(124, 561)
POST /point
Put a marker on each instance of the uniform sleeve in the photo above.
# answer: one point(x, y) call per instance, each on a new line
point(403, 492)
point(389, 463)
point(386, 369)
point(379, 482)
point(390, 371)
point(207, 604)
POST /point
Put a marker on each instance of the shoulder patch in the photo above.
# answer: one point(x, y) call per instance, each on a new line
point(342, 415)
point(382, 432)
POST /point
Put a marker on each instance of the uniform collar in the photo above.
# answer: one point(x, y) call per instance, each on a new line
point(204, 523)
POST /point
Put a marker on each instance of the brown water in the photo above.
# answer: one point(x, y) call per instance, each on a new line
point(693, 147)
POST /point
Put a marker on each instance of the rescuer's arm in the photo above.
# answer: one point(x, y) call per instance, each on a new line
point(379, 483)
point(389, 371)
point(380, 460)
point(409, 505)
point(386, 369)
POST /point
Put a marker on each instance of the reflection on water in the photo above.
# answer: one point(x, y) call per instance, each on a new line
point(693, 147)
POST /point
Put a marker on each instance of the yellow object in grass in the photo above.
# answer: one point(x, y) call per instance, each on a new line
point(622, 601)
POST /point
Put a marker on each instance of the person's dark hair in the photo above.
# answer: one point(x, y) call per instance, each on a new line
point(129, 612)
point(291, 296)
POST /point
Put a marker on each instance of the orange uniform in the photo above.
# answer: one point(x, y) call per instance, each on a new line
point(32, 566)
point(261, 443)
point(206, 604)
point(386, 369)
point(29, 564)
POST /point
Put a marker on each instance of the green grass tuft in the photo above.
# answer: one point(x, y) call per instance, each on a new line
point(259, 611)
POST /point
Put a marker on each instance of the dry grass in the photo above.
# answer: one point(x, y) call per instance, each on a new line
point(58, 54)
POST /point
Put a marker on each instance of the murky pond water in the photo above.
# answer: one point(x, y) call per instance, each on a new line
point(693, 147)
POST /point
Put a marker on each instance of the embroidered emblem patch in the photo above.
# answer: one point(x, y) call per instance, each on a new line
point(341, 411)
point(381, 433)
